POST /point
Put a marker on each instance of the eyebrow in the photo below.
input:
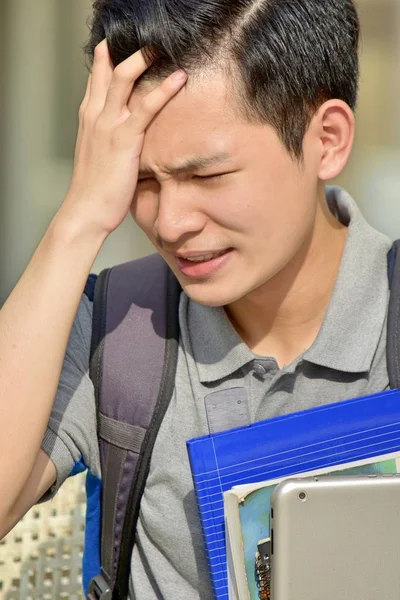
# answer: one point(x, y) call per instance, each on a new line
point(194, 163)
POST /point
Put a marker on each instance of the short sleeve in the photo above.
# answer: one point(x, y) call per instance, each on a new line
point(71, 435)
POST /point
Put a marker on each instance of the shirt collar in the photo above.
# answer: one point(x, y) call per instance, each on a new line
point(217, 348)
point(352, 325)
point(356, 314)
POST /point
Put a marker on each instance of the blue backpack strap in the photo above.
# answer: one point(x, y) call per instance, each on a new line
point(133, 365)
point(393, 325)
point(90, 287)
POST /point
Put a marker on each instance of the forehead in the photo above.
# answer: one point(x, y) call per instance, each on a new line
point(201, 118)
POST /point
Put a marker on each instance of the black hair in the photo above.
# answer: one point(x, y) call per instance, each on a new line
point(289, 56)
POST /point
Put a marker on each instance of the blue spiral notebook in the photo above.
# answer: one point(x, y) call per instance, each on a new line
point(305, 441)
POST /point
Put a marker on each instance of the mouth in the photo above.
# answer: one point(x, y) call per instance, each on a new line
point(202, 264)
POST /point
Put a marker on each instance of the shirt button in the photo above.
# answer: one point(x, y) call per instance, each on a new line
point(259, 370)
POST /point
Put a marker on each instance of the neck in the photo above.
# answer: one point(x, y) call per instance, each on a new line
point(282, 318)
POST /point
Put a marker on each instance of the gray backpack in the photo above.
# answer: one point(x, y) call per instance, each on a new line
point(133, 365)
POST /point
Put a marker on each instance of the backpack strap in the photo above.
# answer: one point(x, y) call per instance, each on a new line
point(133, 364)
point(393, 324)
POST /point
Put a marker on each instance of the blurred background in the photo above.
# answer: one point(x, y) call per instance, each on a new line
point(42, 82)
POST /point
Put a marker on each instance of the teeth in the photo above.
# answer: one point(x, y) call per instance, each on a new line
point(201, 258)
point(204, 257)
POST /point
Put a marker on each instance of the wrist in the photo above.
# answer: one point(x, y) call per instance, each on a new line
point(70, 229)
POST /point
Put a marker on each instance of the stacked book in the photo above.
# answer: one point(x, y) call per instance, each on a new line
point(236, 471)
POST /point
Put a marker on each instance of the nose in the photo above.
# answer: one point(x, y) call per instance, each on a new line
point(178, 215)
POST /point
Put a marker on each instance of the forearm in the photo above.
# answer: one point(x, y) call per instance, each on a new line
point(35, 324)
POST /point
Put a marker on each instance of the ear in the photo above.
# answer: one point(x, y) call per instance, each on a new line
point(335, 124)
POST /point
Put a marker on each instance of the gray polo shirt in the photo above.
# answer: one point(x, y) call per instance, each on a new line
point(346, 360)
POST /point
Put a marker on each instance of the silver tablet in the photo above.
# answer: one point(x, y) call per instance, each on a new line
point(336, 537)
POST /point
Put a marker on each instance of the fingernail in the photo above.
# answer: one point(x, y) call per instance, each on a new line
point(179, 75)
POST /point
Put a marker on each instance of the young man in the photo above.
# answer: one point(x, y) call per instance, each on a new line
point(284, 283)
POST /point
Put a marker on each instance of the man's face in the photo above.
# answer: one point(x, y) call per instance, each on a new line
point(242, 209)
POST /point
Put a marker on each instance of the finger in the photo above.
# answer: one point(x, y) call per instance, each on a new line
point(82, 111)
point(155, 101)
point(102, 73)
point(87, 94)
point(123, 80)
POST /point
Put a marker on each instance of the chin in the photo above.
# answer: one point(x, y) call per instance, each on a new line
point(214, 296)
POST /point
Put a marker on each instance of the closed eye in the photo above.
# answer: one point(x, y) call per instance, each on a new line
point(216, 177)
point(211, 177)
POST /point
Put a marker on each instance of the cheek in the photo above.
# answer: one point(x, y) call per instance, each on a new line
point(278, 210)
